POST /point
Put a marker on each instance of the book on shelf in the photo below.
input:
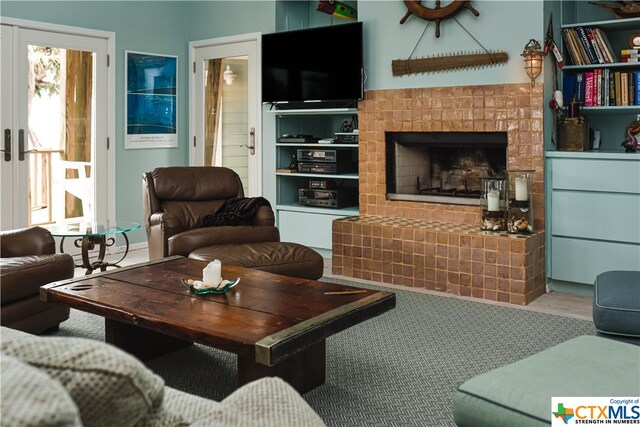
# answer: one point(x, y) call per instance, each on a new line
point(594, 45)
point(627, 52)
point(572, 44)
point(586, 45)
point(624, 88)
point(617, 87)
point(568, 88)
point(612, 89)
point(588, 89)
point(605, 46)
point(636, 87)
point(579, 90)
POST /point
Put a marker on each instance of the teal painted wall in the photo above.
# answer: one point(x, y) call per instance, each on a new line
point(166, 27)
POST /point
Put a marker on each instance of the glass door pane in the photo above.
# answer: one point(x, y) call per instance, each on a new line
point(60, 134)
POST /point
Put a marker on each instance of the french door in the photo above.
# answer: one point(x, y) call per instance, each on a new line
point(54, 124)
point(225, 123)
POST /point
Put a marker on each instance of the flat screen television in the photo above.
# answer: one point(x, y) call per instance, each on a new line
point(321, 64)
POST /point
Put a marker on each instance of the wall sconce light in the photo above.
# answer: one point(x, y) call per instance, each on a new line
point(229, 76)
point(532, 60)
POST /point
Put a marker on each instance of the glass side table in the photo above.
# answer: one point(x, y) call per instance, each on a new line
point(90, 234)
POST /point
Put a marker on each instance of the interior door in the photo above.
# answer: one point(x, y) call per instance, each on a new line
point(225, 88)
point(54, 127)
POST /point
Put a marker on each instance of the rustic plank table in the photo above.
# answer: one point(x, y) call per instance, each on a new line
point(277, 325)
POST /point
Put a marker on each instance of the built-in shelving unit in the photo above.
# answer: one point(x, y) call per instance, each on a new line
point(308, 225)
point(593, 197)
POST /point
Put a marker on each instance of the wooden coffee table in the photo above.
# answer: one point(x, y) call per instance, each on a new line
point(277, 325)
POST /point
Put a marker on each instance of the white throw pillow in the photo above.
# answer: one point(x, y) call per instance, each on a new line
point(109, 386)
point(30, 398)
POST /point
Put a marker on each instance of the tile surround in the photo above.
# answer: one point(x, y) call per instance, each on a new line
point(439, 246)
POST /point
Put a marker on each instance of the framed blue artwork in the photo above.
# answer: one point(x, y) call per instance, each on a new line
point(151, 105)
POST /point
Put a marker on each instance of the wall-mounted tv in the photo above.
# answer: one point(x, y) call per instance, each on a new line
point(314, 64)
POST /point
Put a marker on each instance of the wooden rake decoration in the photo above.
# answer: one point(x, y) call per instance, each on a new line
point(401, 67)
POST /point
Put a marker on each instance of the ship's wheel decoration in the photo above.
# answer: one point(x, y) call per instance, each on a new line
point(459, 60)
point(437, 13)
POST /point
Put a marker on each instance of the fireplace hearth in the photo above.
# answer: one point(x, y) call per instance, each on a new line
point(442, 167)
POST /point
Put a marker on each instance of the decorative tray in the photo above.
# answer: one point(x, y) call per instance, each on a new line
point(196, 287)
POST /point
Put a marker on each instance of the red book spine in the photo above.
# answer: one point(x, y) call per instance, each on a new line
point(588, 89)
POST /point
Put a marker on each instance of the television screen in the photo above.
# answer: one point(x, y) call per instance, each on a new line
point(327, 67)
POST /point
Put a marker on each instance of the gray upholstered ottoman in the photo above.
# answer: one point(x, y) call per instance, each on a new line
point(520, 394)
point(616, 303)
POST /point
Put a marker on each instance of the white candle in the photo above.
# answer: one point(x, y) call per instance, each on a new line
point(522, 193)
point(493, 200)
point(211, 275)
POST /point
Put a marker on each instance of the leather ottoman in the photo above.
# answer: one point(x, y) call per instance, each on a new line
point(285, 258)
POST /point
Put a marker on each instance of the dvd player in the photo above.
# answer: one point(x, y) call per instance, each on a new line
point(298, 138)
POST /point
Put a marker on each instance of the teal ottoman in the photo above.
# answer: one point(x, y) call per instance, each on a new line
point(616, 304)
point(520, 394)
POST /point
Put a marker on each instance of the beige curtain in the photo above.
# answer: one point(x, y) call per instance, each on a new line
point(77, 145)
point(212, 102)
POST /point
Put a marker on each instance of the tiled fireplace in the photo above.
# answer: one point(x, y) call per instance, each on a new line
point(437, 244)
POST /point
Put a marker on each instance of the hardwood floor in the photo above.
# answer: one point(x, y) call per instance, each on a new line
point(558, 303)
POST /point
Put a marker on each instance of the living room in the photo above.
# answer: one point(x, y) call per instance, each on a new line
point(454, 99)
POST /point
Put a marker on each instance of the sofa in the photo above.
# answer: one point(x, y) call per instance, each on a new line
point(28, 260)
point(178, 200)
point(63, 381)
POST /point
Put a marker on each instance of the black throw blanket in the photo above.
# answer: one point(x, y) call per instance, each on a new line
point(237, 211)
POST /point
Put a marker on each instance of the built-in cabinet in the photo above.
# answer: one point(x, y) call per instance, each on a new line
point(308, 225)
point(593, 197)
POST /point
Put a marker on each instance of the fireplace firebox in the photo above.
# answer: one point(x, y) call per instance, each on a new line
point(443, 167)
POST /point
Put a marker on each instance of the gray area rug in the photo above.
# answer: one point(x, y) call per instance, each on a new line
point(398, 369)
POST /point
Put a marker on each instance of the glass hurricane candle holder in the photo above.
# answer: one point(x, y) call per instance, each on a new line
point(494, 205)
point(520, 202)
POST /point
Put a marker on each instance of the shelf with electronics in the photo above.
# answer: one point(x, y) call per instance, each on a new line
point(311, 190)
point(592, 179)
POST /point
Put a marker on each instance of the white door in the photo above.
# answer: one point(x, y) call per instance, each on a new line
point(225, 123)
point(54, 127)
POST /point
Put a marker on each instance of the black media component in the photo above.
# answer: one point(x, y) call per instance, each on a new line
point(321, 184)
point(339, 198)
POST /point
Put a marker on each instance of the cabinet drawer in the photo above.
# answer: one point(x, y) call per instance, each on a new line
point(308, 229)
point(618, 176)
point(600, 216)
point(581, 261)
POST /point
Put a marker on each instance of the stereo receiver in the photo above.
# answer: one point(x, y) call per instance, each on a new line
point(329, 168)
point(346, 138)
point(338, 198)
point(328, 156)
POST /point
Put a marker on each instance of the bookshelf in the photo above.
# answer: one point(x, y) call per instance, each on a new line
point(587, 193)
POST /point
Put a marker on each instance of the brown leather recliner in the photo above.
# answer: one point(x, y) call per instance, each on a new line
point(177, 199)
point(28, 260)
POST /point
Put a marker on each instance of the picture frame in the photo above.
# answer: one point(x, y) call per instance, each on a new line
point(151, 100)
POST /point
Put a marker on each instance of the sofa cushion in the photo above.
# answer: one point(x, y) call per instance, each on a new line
point(29, 397)
point(265, 402)
point(520, 393)
point(23, 276)
point(109, 386)
point(178, 409)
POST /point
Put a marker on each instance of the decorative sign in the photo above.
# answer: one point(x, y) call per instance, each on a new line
point(151, 101)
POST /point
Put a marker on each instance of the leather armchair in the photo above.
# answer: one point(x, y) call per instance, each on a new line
point(28, 261)
point(175, 201)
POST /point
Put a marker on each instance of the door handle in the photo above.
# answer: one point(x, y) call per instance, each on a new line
point(7, 145)
point(21, 151)
point(252, 141)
